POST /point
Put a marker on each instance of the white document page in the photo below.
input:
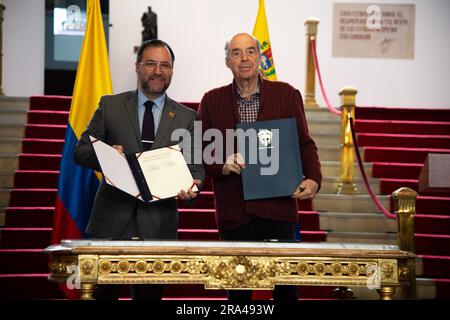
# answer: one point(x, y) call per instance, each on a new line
point(115, 168)
point(166, 172)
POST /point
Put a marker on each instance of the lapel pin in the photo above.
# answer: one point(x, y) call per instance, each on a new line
point(172, 114)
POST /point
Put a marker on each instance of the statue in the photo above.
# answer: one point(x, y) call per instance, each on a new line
point(150, 26)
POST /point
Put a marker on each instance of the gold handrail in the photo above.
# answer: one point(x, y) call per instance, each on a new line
point(310, 87)
point(348, 101)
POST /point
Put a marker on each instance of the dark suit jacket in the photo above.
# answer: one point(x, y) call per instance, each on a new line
point(278, 100)
point(115, 122)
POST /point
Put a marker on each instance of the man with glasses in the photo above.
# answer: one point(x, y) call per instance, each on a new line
point(132, 122)
point(250, 98)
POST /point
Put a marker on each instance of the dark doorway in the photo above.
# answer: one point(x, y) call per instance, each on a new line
point(65, 22)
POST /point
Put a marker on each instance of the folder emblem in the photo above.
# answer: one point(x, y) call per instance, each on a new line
point(265, 138)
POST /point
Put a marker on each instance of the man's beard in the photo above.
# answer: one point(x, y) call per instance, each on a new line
point(146, 87)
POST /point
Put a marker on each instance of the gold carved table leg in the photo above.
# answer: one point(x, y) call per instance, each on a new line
point(87, 289)
point(386, 293)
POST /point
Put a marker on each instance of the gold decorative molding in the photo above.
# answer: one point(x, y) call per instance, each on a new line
point(59, 266)
point(232, 272)
point(88, 266)
point(231, 268)
point(389, 271)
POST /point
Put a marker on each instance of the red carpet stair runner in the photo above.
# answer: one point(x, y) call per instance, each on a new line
point(397, 142)
point(28, 226)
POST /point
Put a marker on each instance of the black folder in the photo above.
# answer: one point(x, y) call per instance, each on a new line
point(139, 177)
point(259, 179)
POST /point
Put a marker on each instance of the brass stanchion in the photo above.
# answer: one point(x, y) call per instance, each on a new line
point(310, 94)
point(2, 9)
point(405, 208)
point(348, 101)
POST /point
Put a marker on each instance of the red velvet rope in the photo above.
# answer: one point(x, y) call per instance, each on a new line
point(375, 200)
point(319, 77)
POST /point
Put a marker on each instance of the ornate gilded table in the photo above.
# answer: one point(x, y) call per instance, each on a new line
point(230, 265)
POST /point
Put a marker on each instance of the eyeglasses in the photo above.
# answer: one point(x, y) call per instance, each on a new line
point(152, 65)
point(238, 53)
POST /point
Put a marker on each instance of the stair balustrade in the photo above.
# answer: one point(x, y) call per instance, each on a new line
point(405, 208)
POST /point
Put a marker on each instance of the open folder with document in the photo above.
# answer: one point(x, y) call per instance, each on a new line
point(149, 176)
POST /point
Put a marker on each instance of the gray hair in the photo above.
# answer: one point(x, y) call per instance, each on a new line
point(227, 43)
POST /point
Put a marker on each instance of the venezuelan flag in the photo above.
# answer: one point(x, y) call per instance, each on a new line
point(261, 32)
point(77, 185)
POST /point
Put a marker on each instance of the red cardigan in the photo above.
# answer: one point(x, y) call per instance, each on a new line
point(218, 109)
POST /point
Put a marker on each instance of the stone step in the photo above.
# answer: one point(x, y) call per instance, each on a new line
point(6, 179)
point(323, 126)
point(13, 117)
point(8, 162)
point(356, 222)
point(347, 203)
point(333, 153)
point(12, 131)
point(4, 197)
point(329, 153)
point(14, 103)
point(333, 169)
point(330, 139)
point(362, 237)
point(313, 114)
point(425, 288)
point(10, 145)
point(330, 184)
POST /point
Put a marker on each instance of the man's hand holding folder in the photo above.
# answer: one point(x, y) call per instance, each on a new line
point(235, 163)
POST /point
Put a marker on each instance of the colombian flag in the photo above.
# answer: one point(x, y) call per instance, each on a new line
point(261, 32)
point(77, 185)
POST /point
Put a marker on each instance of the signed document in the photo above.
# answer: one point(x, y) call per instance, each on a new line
point(149, 176)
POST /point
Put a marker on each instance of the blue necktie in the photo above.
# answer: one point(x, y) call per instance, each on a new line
point(148, 126)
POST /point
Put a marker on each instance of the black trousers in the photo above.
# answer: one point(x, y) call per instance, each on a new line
point(138, 291)
point(259, 229)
